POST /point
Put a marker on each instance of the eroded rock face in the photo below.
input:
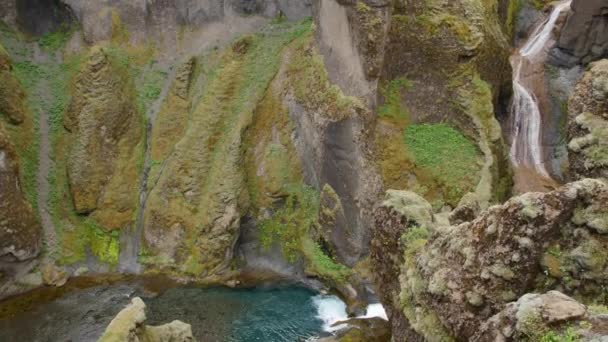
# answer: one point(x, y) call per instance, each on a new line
point(453, 278)
point(588, 124)
point(129, 326)
point(12, 97)
point(20, 232)
point(584, 37)
point(105, 159)
point(162, 19)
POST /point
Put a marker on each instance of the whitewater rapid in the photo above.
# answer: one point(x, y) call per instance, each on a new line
point(526, 147)
point(332, 310)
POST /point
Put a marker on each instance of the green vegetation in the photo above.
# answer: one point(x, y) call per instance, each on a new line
point(292, 221)
point(512, 12)
point(88, 236)
point(447, 154)
point(322, 265)
point(54, 41)
point(311, 85)
point(150, 86)
point(392, 107)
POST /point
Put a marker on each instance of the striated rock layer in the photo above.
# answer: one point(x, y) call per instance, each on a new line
point(452, 279)
point(105, 159)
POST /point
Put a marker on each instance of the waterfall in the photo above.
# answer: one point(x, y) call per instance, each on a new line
point(526, 148)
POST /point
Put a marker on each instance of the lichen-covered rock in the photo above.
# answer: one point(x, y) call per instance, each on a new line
point(584, 37)
point(453, 278)
point(588, 124)
point(129, 326)
point(108, 131)
point(552, 316)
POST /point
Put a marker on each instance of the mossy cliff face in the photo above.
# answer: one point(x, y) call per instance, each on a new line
point(12, 97)
point(398, 55)
point(20, 231)
point(104, 159)
point(457, 55)
point(454, 278)
point(199, 194)
point(588, 124)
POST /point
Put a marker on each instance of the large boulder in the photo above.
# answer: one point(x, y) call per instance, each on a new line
point(129, 326)
point(584, 37)
point(441, 282)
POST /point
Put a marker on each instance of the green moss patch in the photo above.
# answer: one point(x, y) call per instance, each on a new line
point(447, 154)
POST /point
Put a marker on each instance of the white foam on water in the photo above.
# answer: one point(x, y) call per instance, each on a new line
point(375, 310)
point(330, 310)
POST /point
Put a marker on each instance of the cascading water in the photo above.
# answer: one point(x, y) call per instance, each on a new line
point(526, 148)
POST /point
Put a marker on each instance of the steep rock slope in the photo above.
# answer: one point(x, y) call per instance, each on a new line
point(396, 56)
point(584, 37)
point(105, 159)
point(200, 193)
point(453, 278)
point(20, 231)
point(588, 123)
point(166, 22)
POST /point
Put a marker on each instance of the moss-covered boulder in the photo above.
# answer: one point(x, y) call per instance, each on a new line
point(588, 124)
point(106, 153)
point(12, 96)
point(451, 279)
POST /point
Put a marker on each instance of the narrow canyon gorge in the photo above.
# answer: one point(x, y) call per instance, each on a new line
point(304, 170)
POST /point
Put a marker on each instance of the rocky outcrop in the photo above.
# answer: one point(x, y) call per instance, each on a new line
point(12, 97)
point(538, 317)
point(395, 56)
point(106, 155)
point(129, 326)
point(452, 279)
point(351, 36)
point(20, 231)
point(588, 124)
point(584, 37)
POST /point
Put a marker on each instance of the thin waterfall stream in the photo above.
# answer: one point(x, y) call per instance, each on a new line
point(526, 148)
